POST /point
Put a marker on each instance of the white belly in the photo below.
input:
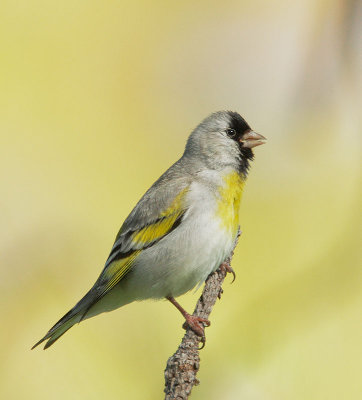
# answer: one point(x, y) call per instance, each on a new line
point(175, 266)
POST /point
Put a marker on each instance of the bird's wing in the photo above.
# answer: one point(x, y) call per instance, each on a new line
point(158, 213)
point(130, 241)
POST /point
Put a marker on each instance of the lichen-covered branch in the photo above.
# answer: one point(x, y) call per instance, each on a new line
point(182, 367)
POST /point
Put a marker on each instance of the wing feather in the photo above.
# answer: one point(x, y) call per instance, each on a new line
point(149, 232)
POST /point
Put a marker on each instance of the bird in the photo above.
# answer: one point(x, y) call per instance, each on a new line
point(181, 230)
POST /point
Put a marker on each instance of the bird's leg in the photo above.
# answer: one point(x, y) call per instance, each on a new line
point(197, 324)
point(225, 267)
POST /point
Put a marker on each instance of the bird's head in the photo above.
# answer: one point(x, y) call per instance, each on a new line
point(223, 139)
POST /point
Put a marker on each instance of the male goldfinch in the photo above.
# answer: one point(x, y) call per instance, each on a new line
point(181, 230)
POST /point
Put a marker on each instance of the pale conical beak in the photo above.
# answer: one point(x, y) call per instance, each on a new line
point(252, 139)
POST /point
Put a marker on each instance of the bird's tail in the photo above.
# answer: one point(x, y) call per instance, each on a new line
point(75, 315)
point(59, 328)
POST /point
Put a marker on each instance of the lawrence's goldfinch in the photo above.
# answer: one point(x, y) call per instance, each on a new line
point(181, 230)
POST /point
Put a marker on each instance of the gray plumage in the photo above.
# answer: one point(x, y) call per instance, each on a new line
point(191, 241)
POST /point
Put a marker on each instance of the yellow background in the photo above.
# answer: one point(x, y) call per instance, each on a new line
point(97, 99)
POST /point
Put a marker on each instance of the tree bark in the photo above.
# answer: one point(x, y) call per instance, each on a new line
point(183, 365)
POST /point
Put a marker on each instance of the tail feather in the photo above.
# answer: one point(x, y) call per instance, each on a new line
point(62, 326)
point(54, 338)
point(75, 315)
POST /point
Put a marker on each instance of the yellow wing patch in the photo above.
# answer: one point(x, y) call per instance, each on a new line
point(229, 201)
point(143, 238)
point(118, 269)
point(155, 231)
point(163, 226)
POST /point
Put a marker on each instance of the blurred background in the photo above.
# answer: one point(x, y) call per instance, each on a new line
point(96, 101)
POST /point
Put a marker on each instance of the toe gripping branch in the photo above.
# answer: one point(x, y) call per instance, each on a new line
point(197, 324)
point(226, 268)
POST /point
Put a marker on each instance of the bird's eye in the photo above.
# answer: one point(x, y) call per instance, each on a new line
point(231, 132)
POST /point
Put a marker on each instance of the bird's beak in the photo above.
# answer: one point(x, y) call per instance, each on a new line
point(252, 139)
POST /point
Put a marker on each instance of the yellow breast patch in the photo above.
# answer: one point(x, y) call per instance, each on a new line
point(229, 202)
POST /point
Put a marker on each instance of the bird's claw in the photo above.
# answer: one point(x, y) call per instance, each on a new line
point(197, 324)
point(225, 267)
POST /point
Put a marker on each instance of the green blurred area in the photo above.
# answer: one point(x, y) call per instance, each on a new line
point(96, 101)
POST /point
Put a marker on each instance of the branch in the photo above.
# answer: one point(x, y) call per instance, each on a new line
point(183, 365)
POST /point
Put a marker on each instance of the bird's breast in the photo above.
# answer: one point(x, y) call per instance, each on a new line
point(228, 201)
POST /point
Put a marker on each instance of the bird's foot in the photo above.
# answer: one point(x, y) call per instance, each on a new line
point(197, 324)
point(225, 267)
